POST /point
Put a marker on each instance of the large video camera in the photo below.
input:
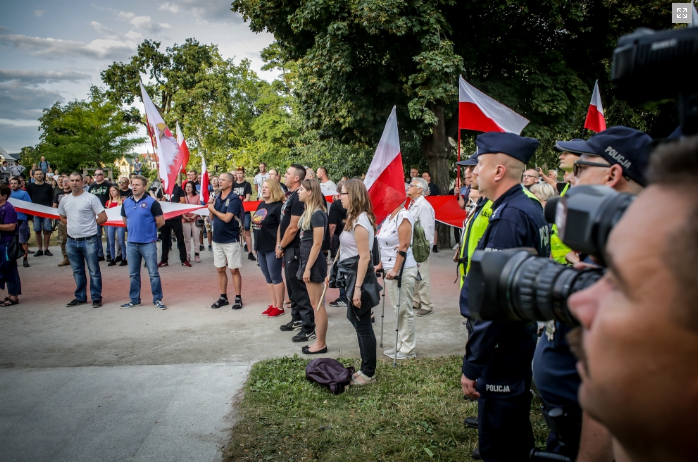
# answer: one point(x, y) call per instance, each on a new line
point(517, 285)
point(653, 66)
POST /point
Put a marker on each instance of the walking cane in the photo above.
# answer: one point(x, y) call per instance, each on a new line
point(383, 309)
point(397, 308)
point(326, 285)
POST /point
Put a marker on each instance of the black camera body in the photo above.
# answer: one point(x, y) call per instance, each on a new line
point(518, 285)
point(653, 65)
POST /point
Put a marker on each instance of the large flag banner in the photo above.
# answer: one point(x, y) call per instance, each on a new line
point(204, 195)
point(479, 112)
point(166, 147)
point(183, 159)
point(595, 120)
point(385, 178)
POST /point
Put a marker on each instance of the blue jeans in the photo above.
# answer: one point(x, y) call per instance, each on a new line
point(79, 253)
point(112, 233)
point(270, 266)
point(149, 253)
point(100, 248)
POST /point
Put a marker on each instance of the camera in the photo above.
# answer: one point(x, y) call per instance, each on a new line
point(653, 66)
point(518, 285)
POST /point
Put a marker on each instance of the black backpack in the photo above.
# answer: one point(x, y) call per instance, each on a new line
point(330, 373)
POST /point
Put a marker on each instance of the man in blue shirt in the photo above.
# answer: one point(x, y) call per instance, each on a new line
point(497, 363)
point(22, 225)
point(225, 211)
point(142, 216)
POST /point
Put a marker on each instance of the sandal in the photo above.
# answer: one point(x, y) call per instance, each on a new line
point(220, 302)
point(9, 302)
point(362, 379)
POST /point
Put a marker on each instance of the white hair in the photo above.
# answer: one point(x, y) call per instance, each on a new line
point(422, 184)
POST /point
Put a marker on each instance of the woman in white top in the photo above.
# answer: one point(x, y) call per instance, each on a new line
point(395, 240)
point(357, 240)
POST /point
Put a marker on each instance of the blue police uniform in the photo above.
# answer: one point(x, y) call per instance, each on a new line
point(498, 355)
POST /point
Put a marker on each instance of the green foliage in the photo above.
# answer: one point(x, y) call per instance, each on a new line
point(413, 412)
point(83, 134)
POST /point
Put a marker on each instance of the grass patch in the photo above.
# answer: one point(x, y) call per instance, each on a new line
point(414, 412)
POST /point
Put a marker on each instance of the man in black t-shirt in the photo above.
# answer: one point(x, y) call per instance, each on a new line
point(288, 242)
point(41, 193)
point(100, 188)
point(124, 190)
point(244, 189)
point(173, 224)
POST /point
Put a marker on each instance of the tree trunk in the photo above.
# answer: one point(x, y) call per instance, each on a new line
point(437, 151)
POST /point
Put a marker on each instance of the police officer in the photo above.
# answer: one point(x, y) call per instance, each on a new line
point(616, 157)
point(569, 153)
point(475, 223)
point(497, 361)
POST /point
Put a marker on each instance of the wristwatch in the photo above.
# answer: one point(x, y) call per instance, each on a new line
point(278, 246)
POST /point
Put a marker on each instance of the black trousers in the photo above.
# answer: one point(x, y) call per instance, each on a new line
point(366, 337)
point(173, 225)
point(504, 428)
point(301, 309)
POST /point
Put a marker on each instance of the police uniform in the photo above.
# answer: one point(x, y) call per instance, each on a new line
point(554, 365)
point(558, 250)
point(498, 355)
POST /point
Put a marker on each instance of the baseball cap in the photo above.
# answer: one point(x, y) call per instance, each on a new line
point(575, 146)
point(472, 160)
point(626, 147)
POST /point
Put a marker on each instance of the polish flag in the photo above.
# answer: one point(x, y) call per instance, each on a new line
point(166, 145)
point(595, 120)
point(183, 150)
point(477, 111)
point(385, 178)
point(203, 193)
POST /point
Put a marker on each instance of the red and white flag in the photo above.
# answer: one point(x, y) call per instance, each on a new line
point(183, 159)
point(385, 178)
point(595, 120)
point(204, 182)
point(477, 111)
point(166, 146)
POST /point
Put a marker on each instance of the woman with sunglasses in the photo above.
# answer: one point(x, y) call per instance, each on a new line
point(313, 266)
point(115, 200)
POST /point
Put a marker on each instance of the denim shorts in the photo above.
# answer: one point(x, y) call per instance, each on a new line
point(42, 224)
point(247, 221)
point(23, 231)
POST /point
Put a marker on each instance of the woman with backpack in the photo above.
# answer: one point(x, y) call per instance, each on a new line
point(313, 265)
point(354, 271)
point(395, 240)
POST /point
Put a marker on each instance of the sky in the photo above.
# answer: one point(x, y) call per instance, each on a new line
point(54, 50)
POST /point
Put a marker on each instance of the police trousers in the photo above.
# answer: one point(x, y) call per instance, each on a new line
point(505, 433)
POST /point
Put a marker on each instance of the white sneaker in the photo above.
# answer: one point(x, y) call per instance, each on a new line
point(390, 352)
point(401, 355)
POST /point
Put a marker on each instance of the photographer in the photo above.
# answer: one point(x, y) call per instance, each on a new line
point(497, 362)
point(639, 322)
point(616, 157)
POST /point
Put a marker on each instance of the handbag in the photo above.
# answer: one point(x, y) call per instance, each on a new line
point(14, 248)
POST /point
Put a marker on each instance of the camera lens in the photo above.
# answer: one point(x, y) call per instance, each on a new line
point(517, 285)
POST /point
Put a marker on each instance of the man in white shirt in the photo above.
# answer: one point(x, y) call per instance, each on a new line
point(82, 213)
point(325, 182)
point(259, 179)
point(423, 212)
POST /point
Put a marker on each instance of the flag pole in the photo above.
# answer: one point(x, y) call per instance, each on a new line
point(457, 166)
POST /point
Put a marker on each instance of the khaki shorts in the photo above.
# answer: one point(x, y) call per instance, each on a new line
point(230, 253)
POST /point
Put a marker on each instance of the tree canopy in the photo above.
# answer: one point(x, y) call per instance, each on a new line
point(85, 133)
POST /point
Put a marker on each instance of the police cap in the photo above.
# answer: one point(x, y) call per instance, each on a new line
point(472, 160)
point(576, 146)
point(519, 147)
point(626, 147)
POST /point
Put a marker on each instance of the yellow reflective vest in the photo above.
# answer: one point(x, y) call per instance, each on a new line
point(557, 248)
point(474, 230)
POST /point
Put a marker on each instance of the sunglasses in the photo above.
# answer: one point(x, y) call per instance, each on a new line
point(580, 165)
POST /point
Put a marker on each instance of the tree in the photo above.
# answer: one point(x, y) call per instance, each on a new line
point(84, 134)
point(213, 99)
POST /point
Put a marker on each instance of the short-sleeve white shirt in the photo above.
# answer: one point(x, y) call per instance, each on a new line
point(389, 240)
point(81, 212)
point(347, 241)
point(258, 180)
point(423, 212)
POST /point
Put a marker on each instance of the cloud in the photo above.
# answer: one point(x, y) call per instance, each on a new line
point(56, 48)
point(204, 11)
point(14, 136)
point(124, 14)
point(39, 13)
point(104, 30)
point(145, 23)
point(19, 101)
point(41, 77)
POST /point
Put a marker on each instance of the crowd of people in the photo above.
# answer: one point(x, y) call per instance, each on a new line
point(303, 243)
